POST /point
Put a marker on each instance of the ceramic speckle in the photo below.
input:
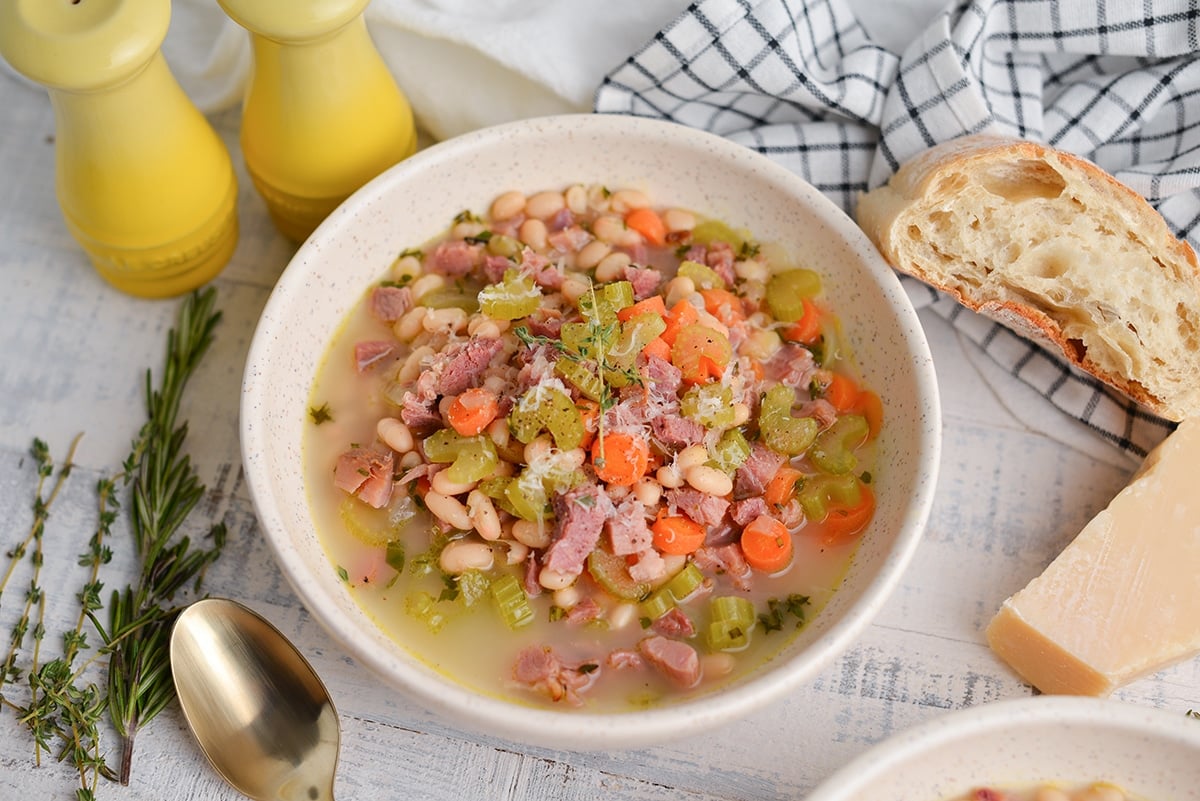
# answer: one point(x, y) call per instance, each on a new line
point(1152, 754)
point(413, 202)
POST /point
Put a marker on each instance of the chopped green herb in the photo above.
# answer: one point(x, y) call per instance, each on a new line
point(588, 667)
point(865, 477)
point(481, 238)
point(416, 253)
point(450, 590)
point(343, 574)
point(320, 414)
point(779, 609)
point(467, 216)
point(646, 622)
point(748, 250)
point(557, 613)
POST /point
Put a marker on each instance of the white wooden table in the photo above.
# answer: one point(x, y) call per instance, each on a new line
point(72, 360)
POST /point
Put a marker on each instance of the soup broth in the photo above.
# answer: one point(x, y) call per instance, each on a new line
point(591, 453)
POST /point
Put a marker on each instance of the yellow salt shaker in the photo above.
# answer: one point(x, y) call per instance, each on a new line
point(145, 185)
point(322, 114)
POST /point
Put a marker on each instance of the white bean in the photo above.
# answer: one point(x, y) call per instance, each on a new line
point(741, 413)
point(599, 198)
point(750, 270)
point(591, 254)
point(555, 579)
point(410, 460)
point(508, 205)
point(538, 449)
point(762, 345)
point(463, 555)
point(486, 330)
point(406, 267)
point(709, 480)
point(530, 533)
point(717, 664)
point(622, 615)
point(545, 205)
point(414, 364)
point(678, 220)
point(483, 515)
point(625, 200)
point(448, 509)
point(669, 476)
point(425, 284)
point(577, 199)
point(608, 228)
point(567, 597)
point(648, 491)
point(533, 233)
point(612, 267)
point(617, 492)
point(465, 229)
point(678, 288)
point(689, 457)
point(575, 457)
point(574, 286)
point(395, 434)
point(445, 321)
point(408, 326)
point(517, 552)
point(442, 484)
point(498, 431)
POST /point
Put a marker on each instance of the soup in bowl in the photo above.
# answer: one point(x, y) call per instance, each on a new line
point(590, 431)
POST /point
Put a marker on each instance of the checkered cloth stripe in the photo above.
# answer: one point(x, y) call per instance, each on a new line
point(802, 82)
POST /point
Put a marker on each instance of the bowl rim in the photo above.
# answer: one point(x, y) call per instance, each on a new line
point(873, 765)
point(576, 729)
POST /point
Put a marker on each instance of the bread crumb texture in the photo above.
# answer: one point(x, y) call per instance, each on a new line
point(1058, 250)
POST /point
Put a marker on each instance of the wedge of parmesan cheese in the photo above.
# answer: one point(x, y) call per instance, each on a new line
point(1123, 599)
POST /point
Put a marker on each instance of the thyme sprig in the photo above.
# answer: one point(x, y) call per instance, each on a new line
point(165, 488)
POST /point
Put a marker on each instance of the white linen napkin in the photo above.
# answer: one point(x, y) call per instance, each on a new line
point(804, 83)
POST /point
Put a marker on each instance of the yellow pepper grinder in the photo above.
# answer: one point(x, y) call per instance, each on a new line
point(322, 114)
point(143, 181)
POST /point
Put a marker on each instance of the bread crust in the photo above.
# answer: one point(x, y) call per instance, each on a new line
point(933, 182)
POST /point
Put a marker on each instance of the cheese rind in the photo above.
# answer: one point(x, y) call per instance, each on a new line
point(1123, 599)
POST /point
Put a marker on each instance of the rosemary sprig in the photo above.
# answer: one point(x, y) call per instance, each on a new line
point(165, 488)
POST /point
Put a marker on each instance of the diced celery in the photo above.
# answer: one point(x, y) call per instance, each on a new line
point(732, 621)
point(472, 586)
point(636, 333)
point(786, 292)
point(495, 488)
point(451, 297)
point(423, 607)
point(475, 461)
point(711, 231)
point(619, 294)
point(586, 381)
point(833, 452)
point(550, 409)
point(473, 457)
point(702, 275)
point(527, 503)
point(365, 524)
point(685, 582)
point(611, 573)
point(511, 601)
point(514, 297)
point(710, 405)
point(596, 309)
point(501, 245)
point(731, 451)
point(578, 338)
point(782, 432)
point(823, 489)
point(657, 605)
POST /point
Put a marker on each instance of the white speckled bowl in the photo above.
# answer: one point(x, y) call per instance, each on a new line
point(1152, 754)
point(679, 166)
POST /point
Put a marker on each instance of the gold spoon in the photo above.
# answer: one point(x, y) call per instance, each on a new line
point(260, 713)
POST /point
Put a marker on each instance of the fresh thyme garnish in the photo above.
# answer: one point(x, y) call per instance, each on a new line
point(467, 216)
point(320, 414)
point(481, 238)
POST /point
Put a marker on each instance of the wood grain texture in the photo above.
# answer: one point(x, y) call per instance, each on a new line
point(1010, 497)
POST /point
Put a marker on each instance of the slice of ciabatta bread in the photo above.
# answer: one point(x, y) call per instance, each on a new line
point(1058, 250)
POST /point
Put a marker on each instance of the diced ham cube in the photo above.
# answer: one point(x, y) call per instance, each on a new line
point(540, 669)
point(705, 509)
point(758, 469)
point(371, 352)
point(454, 258)
point(674, 623)
point(366, 473)
point(389, 303)
point(579, 516)
point(627, 529)
point(676, 660)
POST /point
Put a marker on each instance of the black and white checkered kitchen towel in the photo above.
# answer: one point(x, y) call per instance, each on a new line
point(802, 82)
